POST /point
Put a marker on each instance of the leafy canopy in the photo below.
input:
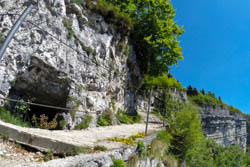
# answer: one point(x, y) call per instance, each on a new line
point(154, 33)
point(162, 81)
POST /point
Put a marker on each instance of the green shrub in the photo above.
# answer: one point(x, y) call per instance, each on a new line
point(158, 149)
point(106, 118)
point(162, 81)
point(85, 122)
point(112, 15)
point(4, 136)
point(118, 163)
point(127, 119)
point(155, 33)
point(68, 24)
point(141, 149)
point(62, 123)
point(163, 136)
point(100, 148)
point(88, 49)
point(48, 156)
point(206, 100)
point(233, 110)
point(6, 116)
point(102, 121)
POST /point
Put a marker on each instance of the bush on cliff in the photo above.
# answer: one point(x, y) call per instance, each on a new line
point(161, 81)
point(154, 33)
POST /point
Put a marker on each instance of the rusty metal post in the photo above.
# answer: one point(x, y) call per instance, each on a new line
point(149, 105)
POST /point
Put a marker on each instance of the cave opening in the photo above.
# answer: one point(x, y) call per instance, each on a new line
point(45, 113)
point(40, 84)
point(36, 114)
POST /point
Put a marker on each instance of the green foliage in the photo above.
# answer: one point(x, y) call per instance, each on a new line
point(162, 81)
point(233, 110)
point(209, 99)
point(185, 130)
point(4, 136)
point(163, 136)
point(118, 163)
point(155, 33)
point(106, 118)
point(48, 156)
point(6, 116)
point(206, 100)
point(124, 118)
point(100, 148)
point(141, 149)
point(159, 148)
point(21, 110)
point(102, 121)
point(62, 123)
point(213, 155)
point(88, 49)
point(193, 91)
point(112, 15)
point(68, 24)
point(85, 122)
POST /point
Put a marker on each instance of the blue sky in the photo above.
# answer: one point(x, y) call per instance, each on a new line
point(216, 48)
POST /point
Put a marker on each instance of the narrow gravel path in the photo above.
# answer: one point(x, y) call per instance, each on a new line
point(89, 137)
point(12, 155)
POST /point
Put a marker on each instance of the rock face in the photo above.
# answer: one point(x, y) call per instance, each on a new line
point(76, 60)
point(89, 75)
point(217, 122)
point(225, 129)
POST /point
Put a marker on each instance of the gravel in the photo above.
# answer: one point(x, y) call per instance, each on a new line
point(12, 155)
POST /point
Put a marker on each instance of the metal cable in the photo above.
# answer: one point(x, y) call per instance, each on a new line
point(64, 43)
point(37, 26)
point(41, 105)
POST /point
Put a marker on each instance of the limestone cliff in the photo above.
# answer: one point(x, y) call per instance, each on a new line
point(224, 128)
point(94, 70)
point(91, 72)
point(218, 123)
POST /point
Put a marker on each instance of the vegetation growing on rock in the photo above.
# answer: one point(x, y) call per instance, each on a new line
point(204, 99)
point(85, 122)
point(154, 33)
point(161, 81)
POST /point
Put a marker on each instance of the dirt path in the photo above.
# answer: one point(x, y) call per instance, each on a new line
point(89, 137)
point(12, 155)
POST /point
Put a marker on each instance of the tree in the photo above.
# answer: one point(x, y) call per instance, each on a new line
point(195, 92)
point(155, 34)
point(186, 131)
point(189, 90)
point(203, 91)
point(170, 75)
